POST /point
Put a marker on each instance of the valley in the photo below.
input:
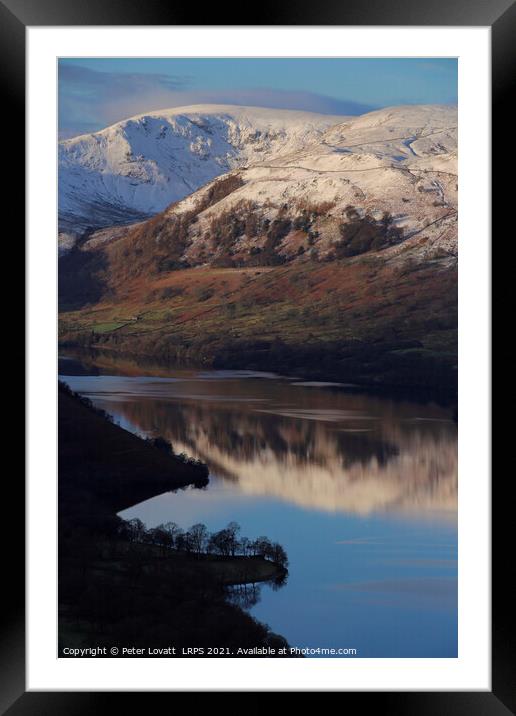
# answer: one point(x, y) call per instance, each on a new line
point(258, 357)
point(331, 253)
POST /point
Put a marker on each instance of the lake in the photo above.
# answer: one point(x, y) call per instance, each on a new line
point(361, 491)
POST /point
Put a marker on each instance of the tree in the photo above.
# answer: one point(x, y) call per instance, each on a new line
point(197, 537)
point(161, 537)
point(220, 543)
point(136, 530)
point(233, 529)
point(262, 546)
point(387, 219)
point(245, 546)
point(180, 541)
point(161, 444)
point(173, 530)
point(278, 555)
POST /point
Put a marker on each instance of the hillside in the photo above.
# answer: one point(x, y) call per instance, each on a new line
point(337, 258)
point(137, 167)
point(114, 589)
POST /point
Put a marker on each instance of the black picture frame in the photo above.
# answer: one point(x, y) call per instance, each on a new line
point(15, 17)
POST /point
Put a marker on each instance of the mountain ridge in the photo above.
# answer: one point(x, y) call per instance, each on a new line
point(340, 256)
point(135, 168)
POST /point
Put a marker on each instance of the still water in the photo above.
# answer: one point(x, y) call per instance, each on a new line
point(361, 491)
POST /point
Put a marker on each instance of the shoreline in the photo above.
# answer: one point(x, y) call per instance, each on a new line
point(445, 395)
point(116, 590)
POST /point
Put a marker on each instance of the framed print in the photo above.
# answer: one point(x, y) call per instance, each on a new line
point(258, 355)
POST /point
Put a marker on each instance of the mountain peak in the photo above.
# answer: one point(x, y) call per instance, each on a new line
point(137, 167)
point(141, 165)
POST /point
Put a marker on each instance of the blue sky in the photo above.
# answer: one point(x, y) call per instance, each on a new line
point(94, 93)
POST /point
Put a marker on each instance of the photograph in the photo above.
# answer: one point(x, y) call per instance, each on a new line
point(257, 339)
point(257, 350)
point(258, 355)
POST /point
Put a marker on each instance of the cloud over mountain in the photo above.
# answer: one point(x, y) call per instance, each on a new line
point(90, 100)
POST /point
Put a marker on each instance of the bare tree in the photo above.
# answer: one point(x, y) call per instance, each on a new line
point(233, 530)
point(174, 531)
point(197, 537)
point(136, 530)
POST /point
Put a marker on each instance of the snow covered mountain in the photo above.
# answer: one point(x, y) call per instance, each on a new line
point(327, 244)
point(139, 166)
point(386, 180)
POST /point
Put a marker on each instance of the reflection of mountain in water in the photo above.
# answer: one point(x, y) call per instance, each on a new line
point(336, 452)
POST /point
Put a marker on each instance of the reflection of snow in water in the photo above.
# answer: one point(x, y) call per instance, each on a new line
point(305, 445)
point(225, 374)
point(322, 384)
point(361, 492)
point(325, 415)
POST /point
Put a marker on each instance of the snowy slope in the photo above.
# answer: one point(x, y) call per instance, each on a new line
point(400, 161)
point(313, 231)
point(139, 166)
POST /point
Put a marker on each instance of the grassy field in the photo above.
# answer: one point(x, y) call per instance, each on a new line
point(284, 317)
point(296, 304)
